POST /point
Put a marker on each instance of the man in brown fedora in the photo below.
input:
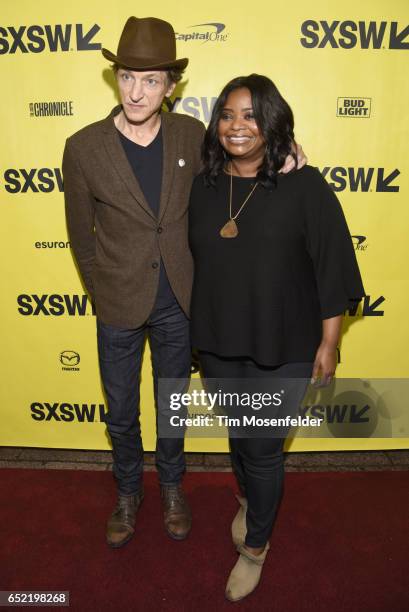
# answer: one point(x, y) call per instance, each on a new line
point(127, 180)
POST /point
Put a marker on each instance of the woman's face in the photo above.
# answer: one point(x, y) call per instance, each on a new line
point(237, 130)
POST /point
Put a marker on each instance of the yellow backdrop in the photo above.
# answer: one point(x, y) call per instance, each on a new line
point(342, 67)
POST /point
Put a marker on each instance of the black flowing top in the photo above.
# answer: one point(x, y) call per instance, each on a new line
point(264, 293)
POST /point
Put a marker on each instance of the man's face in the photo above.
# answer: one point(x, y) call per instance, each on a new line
point(142, 92)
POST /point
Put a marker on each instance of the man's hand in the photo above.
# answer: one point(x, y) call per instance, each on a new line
point(290, 163)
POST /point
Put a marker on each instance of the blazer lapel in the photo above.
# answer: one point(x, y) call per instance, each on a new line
point(120, 162)
point(169, 162)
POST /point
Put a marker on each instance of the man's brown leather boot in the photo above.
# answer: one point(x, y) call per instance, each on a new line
point(121, 524)
point(178, 520)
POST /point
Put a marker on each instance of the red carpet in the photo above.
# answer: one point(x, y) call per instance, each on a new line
point(340, 544)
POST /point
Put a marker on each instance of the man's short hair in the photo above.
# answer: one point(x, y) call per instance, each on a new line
point(174, 74)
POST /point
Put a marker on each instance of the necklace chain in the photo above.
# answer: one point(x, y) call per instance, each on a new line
point(231, 197)
point(230, 229)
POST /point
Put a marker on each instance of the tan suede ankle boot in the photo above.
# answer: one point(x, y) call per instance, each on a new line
point(245, 575)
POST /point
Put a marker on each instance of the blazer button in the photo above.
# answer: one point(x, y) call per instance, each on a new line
point(159, 230)
point(155, 265)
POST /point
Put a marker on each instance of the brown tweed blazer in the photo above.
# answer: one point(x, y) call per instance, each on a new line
point(116, 238)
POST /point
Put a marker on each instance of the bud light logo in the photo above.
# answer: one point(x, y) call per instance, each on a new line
point(354, 107)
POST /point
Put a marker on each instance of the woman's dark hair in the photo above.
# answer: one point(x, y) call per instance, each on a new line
point(274, 119)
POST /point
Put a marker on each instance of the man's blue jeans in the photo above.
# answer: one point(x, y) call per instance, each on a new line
point(120, 356)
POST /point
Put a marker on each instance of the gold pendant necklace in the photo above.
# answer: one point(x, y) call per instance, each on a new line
point(230, 229)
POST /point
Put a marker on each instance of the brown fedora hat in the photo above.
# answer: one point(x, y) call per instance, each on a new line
point(146, 44)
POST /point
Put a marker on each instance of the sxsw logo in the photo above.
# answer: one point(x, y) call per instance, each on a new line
point(35, 180)
point(204, 32)
point(350, 34)
point(54, 305)
point(68, 412)
point(338, 413)
point(200, 108)
point(361, 179)
point(370, 307)
point(354, 107)
point(39, 38)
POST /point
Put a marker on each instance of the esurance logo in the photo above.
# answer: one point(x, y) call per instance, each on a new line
point(361, 179)
point(39, 38)
point(204, 32)
point(52, 244)
point(351, 34)
point(54, 305)
point(34, 180)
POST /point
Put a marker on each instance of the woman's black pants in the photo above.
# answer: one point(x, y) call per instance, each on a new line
point(257, 462)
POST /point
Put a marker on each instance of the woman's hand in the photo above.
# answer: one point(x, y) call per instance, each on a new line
point(289, 163)
point(324, 365)
point(326, 357)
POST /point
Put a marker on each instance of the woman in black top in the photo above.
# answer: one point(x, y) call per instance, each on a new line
point(275, 269)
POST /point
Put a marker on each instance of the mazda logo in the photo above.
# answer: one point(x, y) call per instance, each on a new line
point(70, 358)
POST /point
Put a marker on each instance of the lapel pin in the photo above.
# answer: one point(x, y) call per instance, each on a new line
point(181, 162)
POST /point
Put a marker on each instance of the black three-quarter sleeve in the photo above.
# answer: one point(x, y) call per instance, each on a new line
point(330, 246)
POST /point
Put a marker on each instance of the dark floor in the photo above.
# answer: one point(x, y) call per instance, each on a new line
point(48, 458)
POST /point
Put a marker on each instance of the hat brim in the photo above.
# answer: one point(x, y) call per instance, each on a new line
point(138, 63)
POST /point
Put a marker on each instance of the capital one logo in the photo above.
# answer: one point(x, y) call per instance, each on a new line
point(39, 38)
point(207, 32)
point(350, 34)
